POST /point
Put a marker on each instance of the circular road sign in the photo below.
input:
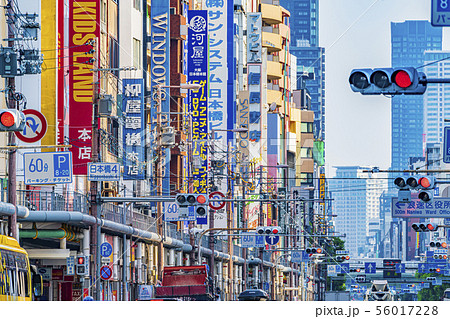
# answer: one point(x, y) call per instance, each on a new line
point(105, 249)
point(105, 272)
point(216, 205)
point(35, 127)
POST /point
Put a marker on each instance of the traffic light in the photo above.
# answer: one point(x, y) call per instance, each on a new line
point(434, 269)
point(268, 230)
point(201, 204)
point(437, 244)
point(12, 120)
point(427, 185)
point(355, 270)
point(424, 227)
point(424, 184)
point(342, 258)
point(440, 256)
point(82, 265)
point(313, 250)
point(199, 201)
point(8, 63)
point(390, 81)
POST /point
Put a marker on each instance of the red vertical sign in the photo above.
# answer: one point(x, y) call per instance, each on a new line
point(84, 30)
point(60, 76)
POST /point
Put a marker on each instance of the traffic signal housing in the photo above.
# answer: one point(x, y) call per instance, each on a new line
point(424, 227)
point(438, 244)
point(268, 230)
point(342, 258)
point(12, 120)
point(199, 201)
point(313, 250)
point(427, 185)
point(82, 265)
point(390, 81)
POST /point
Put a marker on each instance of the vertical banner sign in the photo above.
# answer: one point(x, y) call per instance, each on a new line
point(322, 204)
point(254, 45)
point(221, 96)
point(198, 100)
point(61, 72)
point(84, 29)
point(254, 111)
point(133, 129)
point(160, 75)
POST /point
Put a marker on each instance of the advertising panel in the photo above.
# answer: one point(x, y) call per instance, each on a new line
point(198, 100)
point(133, 129)
point(221, 94)
point(160, 75)
point(254, 46)
point(84, 31)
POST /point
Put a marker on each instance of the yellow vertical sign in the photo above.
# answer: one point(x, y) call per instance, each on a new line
point(48, 76)
point(322, 204)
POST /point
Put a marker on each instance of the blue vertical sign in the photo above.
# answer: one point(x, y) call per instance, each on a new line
point(160, 75)
point(133, 130)
point(446, 149)
point(198, 100)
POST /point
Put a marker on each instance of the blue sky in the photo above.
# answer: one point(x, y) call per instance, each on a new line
point(356, 33)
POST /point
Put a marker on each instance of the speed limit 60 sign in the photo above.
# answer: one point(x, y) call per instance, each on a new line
point(47, 168)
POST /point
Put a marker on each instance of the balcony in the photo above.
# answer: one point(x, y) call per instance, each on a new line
point(271, 14)
point(274, 96)
point(284, 30)
point(307, 165)
point(274, 70)
point(271, 41)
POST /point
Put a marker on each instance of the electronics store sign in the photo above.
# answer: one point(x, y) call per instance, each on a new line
point(439, 207)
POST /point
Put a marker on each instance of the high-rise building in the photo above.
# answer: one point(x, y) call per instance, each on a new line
point(409, 40)
point(436, 102)
point(355, 195)
point(304, 24)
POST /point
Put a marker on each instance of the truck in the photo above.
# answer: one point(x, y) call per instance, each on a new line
point(379, 291)
point(337, 296)
point(186, 283)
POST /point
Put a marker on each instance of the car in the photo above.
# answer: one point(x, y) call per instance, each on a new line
point(446, 296)
point(253, 295)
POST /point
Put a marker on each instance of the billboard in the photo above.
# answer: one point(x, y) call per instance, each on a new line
point(160, 75)
point(221, 93)
point(254, 36)
point(84, 31)
point(198, 100)
point(133, 129)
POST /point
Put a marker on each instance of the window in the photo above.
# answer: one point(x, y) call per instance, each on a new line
point(136, 53)
point(306, 152)
point(137, 4)
point(307, 127)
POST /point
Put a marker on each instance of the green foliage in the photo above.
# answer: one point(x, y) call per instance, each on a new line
point(434, 293)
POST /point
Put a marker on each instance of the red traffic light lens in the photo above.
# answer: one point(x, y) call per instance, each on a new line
point(430, 226)
point(402, 79)
point(275, 231)
point(7, 119)
point(438, 269)
point(319, 250)
point(347, 257)
point(201, 199)
point(444, 245)
point(80, 260)
point(424, 182)
point(358, 270)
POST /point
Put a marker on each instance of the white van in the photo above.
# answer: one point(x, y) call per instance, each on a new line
point(446, 296)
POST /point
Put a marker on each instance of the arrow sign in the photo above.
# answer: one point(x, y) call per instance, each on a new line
point(35, 128)
point(272, 240)
point(422, 268)
point(370, 268)
point(345, 268)
point(400, 268)
point(399, 205)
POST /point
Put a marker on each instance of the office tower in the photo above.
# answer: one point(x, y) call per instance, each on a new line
point(409, 40)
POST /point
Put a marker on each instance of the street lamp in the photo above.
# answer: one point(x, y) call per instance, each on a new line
point(159, 166)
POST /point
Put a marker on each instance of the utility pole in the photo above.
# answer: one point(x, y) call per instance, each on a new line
point(159, 174)
point(11, 85)
point(95, 211)
point(229, 225)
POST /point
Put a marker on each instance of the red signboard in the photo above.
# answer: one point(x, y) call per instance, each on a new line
point(84, 35)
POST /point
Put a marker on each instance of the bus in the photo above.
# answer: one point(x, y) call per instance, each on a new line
point(18, 281)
